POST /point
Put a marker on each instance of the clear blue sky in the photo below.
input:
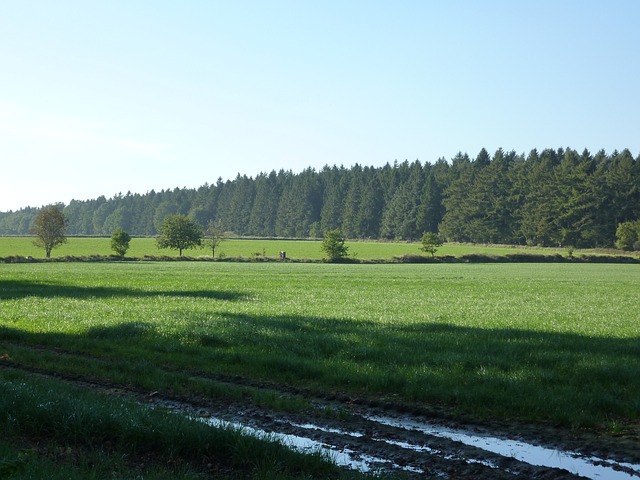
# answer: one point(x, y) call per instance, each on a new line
point(102, 97)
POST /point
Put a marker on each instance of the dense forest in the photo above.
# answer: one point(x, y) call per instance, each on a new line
point(551, 198)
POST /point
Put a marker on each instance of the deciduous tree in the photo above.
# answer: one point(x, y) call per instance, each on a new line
point(214, 235)
point(49, 227)
point(627, 236)
point(179, 232)
point(430, 242)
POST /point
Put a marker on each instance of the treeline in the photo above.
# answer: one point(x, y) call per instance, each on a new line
point(551, 198)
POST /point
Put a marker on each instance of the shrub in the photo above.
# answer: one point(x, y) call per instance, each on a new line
point(430, 242)
point(627, 235)
point(333, 245)
point(120, 242)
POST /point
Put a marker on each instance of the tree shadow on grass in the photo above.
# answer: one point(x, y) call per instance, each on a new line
point(17, 289)
point(122, 331)
point(565, 378)
point(560, 376)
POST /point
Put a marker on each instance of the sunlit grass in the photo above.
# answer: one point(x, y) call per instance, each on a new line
point(257, 249)
point(555, 342)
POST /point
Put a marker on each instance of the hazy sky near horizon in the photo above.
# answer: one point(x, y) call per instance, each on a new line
point(101, 98)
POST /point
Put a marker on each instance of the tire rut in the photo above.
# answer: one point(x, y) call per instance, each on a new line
point(346, 426)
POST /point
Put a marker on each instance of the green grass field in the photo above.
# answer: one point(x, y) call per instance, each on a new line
point(538, 343)
point(251, 248)
point(541, 342)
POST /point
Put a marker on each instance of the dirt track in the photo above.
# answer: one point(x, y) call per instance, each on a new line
point(383, 437)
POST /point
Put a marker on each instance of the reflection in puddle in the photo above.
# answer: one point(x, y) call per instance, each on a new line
point(589, 467)
point(576, 463)
point(404, 445)
point(343, 458)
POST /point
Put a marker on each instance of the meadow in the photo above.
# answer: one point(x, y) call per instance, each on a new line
point(540, 343)
point(261, 248)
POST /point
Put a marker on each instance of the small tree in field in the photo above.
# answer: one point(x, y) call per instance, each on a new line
point(430, 243)
point(179, 232)
point(333, 245)
point(214, 235)
point(49, 227)
point(627, 235)
point(120, 242)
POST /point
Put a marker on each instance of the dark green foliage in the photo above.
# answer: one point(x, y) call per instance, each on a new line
point(548, 198)
point(401, 212)
point(179, 232)
point(455, 225)
point(333, 245)
point(120, 242)
point(241, 203)
point(13, 465)
point(262, 220)
point(300, 205)
point(430, 209)
point(336, 183)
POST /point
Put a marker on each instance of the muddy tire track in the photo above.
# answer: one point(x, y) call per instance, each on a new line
point(347, 424)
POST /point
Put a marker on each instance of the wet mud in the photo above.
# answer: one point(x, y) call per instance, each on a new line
point(388, 440)
point(419, 447)
point(406, 442)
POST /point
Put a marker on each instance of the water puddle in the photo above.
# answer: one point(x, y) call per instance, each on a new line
point(397, 443)
point(589, 467)
point(585, 466)
point(342, 457)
